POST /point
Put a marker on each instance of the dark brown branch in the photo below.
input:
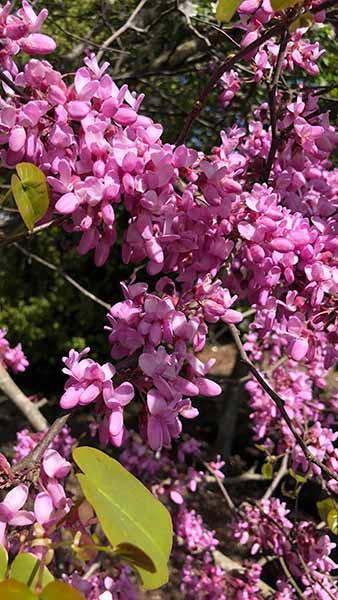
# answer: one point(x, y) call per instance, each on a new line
point(33, 458)
point(18, 90)
point(217, 74)
point(272, 104)
point(280, 405)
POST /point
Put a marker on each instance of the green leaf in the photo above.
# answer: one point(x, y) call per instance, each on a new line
point(263, 449)
point(297, 477)
point(332, 521)
point(3, 562)
point(267, 470)
point(130, 516)
point(58, 590)
point(30, 192)
point(25, 568)
point(304, 20)
point(226, 9)
point(324, 507)
point(15, 590)
point(281, 4)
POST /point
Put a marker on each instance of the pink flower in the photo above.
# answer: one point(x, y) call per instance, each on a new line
point(163, 423)
point(11, 513)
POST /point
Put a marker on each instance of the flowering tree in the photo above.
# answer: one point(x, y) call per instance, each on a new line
point(253, 222)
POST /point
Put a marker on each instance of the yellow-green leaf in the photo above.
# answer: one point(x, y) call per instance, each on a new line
point(129, 514)
point(297, 477)
point(304, 20)
point(324, 507)
point(15, 590)
point(3, 562)
point(30, 192)
point(25, 568)
point(226, 9)
point(267, 470)
point(57, 590)
point(332, 521)
point(281, 4)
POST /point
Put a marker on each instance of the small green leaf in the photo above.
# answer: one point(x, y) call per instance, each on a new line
point(267, 470)
point(58, 590)
point(130, 516)
point(30, 192)
point(297, 477)
point(324, 507)
point(332, 521)
point(24, 566)
point(3, 562)
point(15, 590)
point(304, 20)
point(226, 9)
point(263, 449)
point(281, 4)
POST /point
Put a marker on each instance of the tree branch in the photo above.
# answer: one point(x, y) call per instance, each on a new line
point(272, 103)
point(34, 457)
point(18, 90)
point(21, 401)
point(37, 229)
point(282, 471)
point(120, 31)
point(217, 74)
point(65, 276)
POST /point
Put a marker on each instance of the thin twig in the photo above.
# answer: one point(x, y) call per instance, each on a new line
point(217, 74)
point(21, 401)
point(65, 276)
point(282, 471)
point(272, 103)
point(18, 90)
point(37, 229)
point(224, 491)
point(105, 45)
point(289, 577)
point(279, 403)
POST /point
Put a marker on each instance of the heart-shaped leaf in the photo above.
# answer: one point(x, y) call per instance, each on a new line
point(130, 516)
point(267, 470)
point(58, 590)
point(25, 568)
point(324, 507)
point(30, 192)
point(226, 9)
point(15, 590)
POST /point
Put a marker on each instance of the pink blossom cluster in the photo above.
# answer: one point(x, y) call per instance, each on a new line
point(12, 358)
point(145, 326)
point(89, 382)
point(20, 32)
point(26, 441)
point(101, 586)
point(203, 579)
point(50, 503)
point(191, 216)
point(267, 528)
